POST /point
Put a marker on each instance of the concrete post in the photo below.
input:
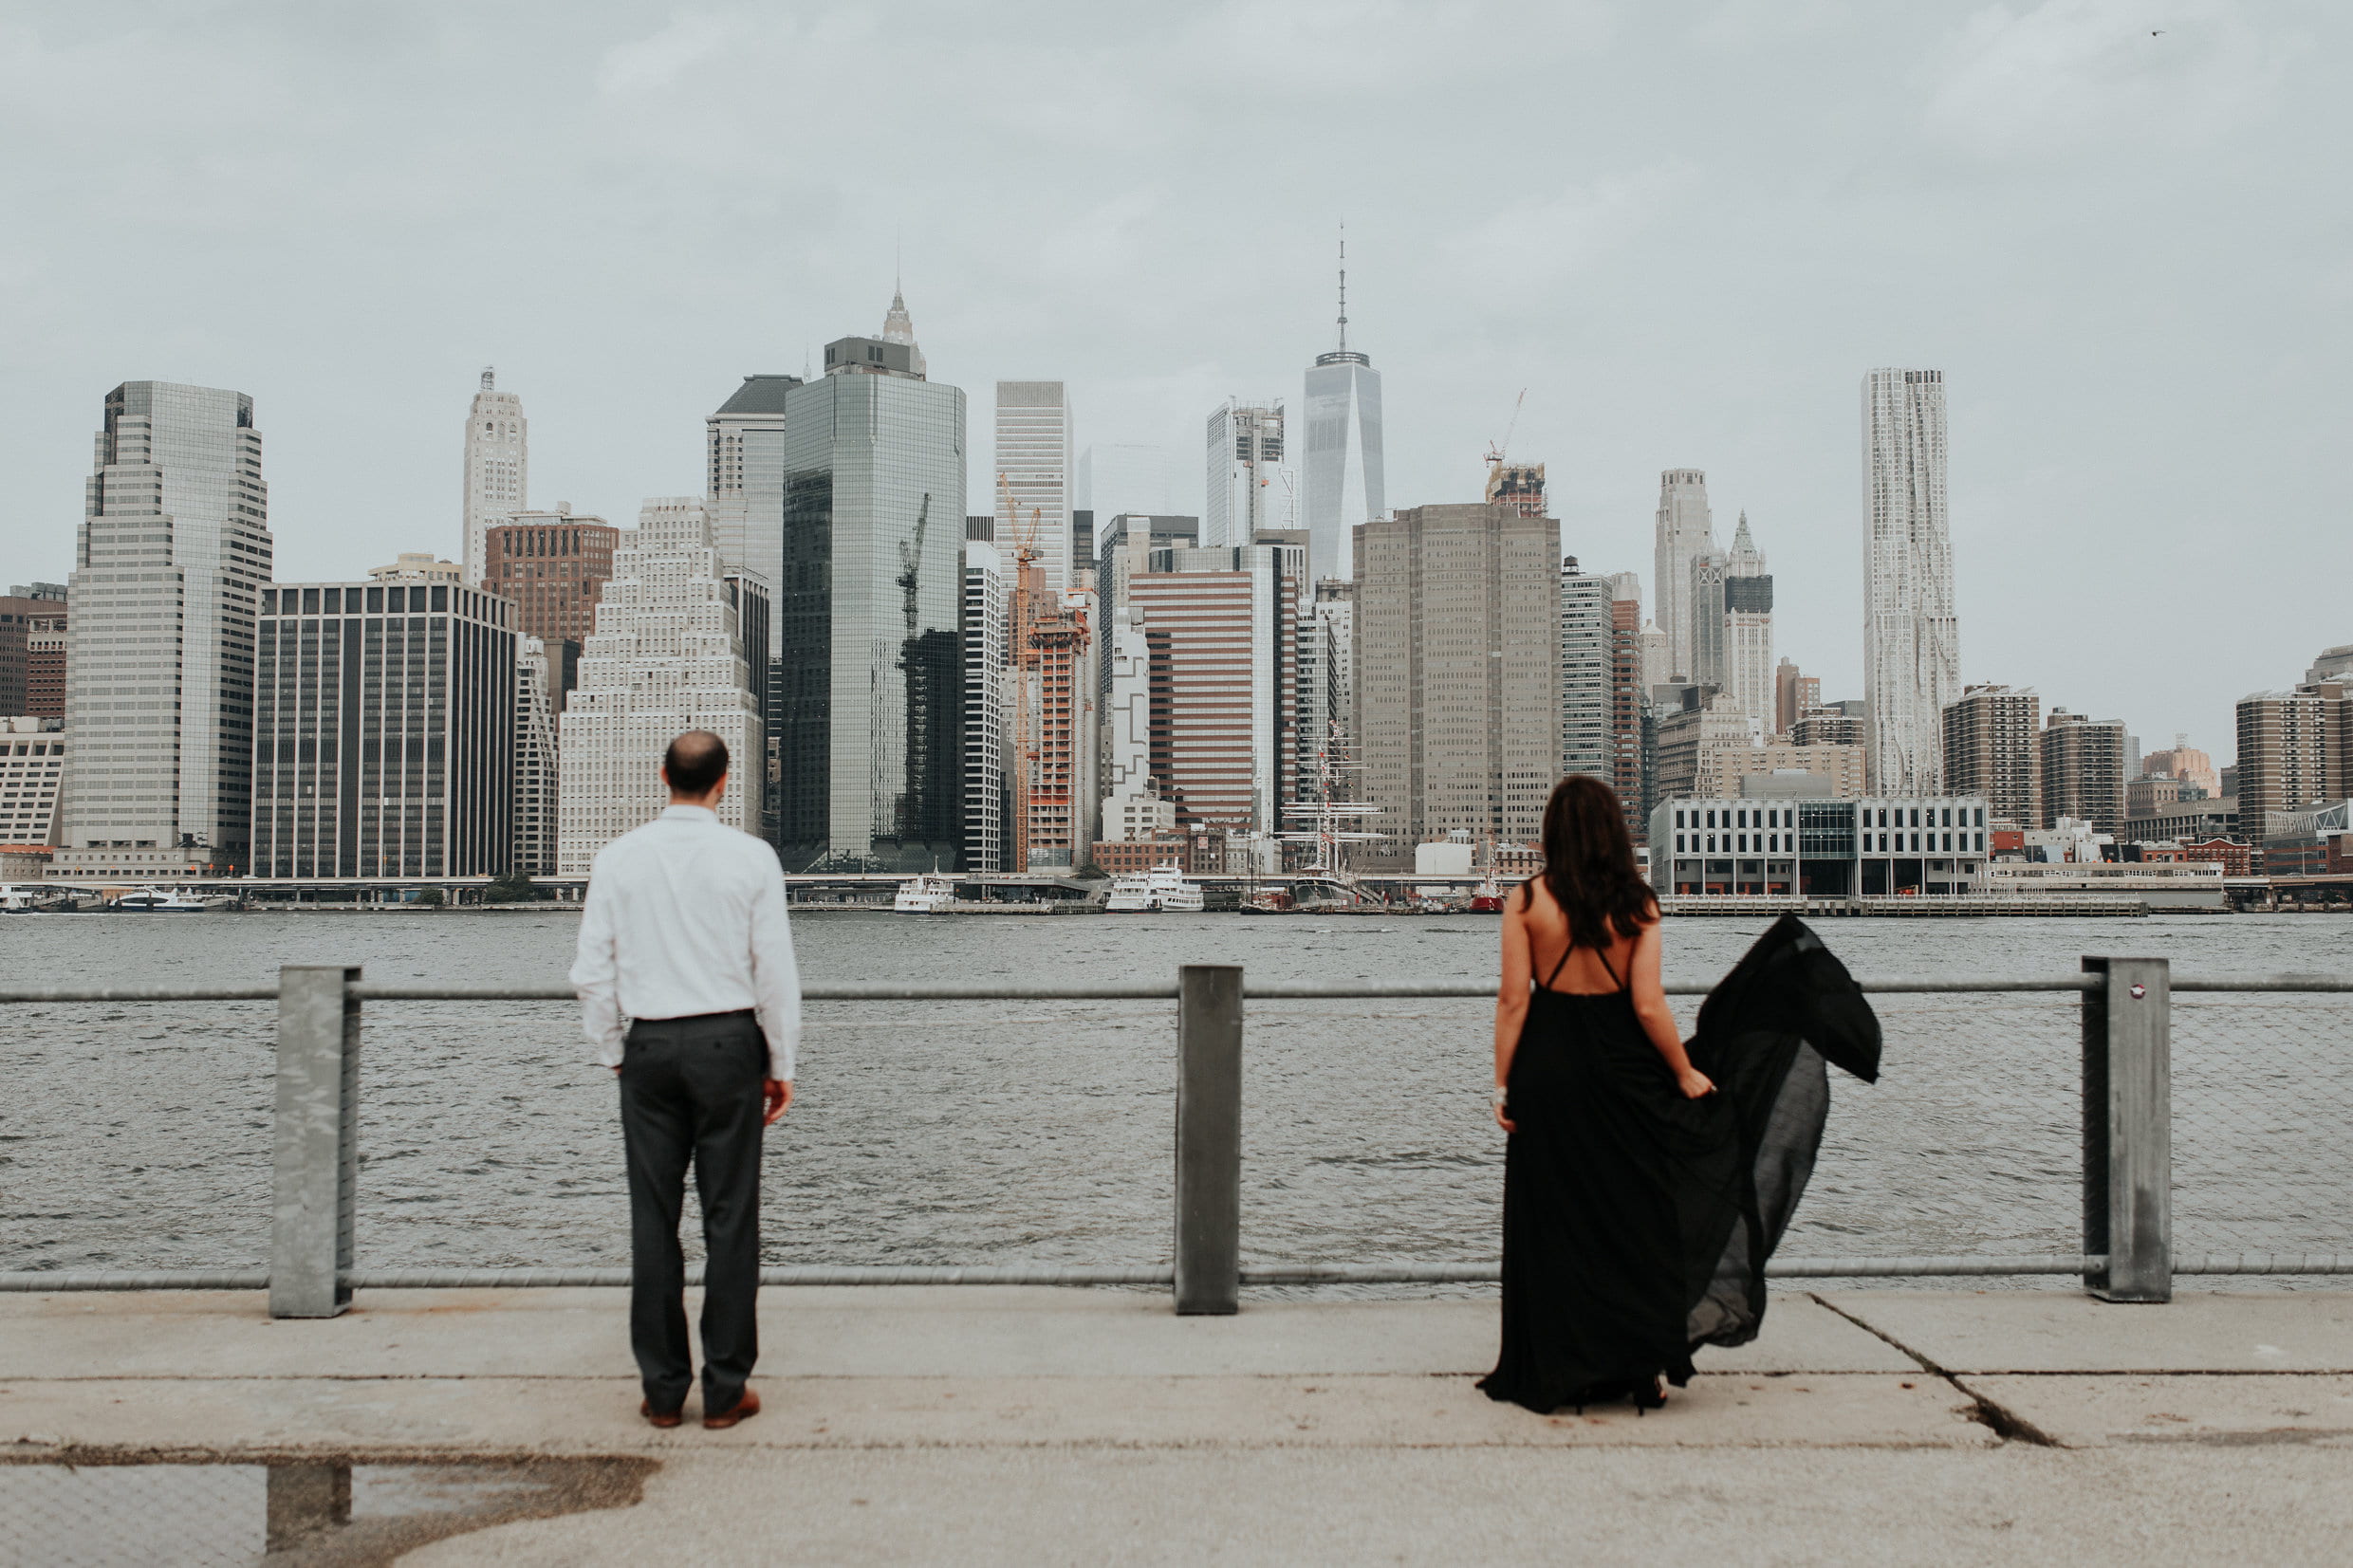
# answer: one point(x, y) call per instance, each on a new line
point(2128, 1128)
point(316, 1153)
point(1209, 1138)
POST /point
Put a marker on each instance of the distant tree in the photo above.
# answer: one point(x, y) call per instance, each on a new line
point(1091, 873)
point(431, 899)
point(511, 887)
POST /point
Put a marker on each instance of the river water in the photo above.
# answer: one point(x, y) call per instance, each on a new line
point(138, 1136)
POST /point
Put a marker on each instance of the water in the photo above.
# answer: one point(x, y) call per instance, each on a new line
point(138, 1136)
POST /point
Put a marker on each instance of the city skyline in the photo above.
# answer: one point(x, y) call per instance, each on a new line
point(1957, 186)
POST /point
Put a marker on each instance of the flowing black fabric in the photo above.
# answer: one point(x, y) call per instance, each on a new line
point(1635, 1221)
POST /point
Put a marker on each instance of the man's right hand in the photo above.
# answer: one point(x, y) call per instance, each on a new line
point(777, 1091)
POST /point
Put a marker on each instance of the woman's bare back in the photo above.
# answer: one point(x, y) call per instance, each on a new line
point(1585, 973)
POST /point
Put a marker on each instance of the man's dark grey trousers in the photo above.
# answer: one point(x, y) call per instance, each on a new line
point(690, 1090)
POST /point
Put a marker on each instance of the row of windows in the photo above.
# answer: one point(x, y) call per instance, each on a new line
point(1780, 844)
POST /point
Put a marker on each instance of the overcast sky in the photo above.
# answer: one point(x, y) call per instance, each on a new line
point(2120, 226)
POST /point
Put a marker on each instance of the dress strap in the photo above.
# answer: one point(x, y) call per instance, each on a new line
point(1622, 985)
point(1564, 964)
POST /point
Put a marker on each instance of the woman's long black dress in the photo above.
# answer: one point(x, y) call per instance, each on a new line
point(1635, 1221)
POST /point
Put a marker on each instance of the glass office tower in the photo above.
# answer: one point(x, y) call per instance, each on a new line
point(868, 671)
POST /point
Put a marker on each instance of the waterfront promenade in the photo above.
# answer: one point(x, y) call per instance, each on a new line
point(1035, 1426)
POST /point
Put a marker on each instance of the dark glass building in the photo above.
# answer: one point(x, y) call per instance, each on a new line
point(867, 680)
point(383, 730)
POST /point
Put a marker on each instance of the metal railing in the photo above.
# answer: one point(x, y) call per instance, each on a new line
point(2127, 1026)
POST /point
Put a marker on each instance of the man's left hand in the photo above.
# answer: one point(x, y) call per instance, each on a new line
point(777, 1091)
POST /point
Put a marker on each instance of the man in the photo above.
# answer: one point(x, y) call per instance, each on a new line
point(685, 934)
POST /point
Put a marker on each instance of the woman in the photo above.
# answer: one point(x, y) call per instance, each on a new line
point(1612, 1128)
point(1641, 1202)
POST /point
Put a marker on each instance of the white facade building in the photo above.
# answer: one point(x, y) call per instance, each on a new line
point(666, 657)
point(1327, 697)
point(1032, 494)
point(497, 469)
point(535, 773)
point(173, 550)
point(1126, 714)
point(32, 771)
point(1746, 666)
point(1249, 489)
point(1685, 533)
point(1586, 636)
point(1911, 641)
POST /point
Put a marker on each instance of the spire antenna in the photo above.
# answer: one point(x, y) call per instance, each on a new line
point(1344, 284)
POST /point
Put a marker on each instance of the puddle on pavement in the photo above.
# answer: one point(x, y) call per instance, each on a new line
point(311, 1513)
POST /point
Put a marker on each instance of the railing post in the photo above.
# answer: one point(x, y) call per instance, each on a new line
point(1209, 1138)
point(316, 1152)
point(2128, 1128)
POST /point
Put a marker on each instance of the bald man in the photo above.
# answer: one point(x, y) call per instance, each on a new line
point(685, 936)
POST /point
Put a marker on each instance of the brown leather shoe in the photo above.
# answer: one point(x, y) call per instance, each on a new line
point(742, 1410)
point(660, 1418)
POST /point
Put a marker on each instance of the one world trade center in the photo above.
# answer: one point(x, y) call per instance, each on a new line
point(1343, 481)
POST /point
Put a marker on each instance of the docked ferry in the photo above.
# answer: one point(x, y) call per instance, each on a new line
point(926, 895)
point(160, 901)
point(1163, 890)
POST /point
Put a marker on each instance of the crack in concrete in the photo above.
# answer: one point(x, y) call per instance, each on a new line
point(2005, 1424)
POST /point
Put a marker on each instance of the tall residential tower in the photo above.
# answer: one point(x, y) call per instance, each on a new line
point(1910, 641)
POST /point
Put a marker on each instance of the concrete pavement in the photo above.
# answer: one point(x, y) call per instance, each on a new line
point(978, 1425)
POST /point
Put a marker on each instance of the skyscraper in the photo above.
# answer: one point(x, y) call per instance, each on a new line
point(2083, 765)
point(988, 679)
point(1342, 475)
point(1747, 632)
point(174, 547)
point(1589, 640)
point(1222, 627)
point(1032, 492)
point(744, 443)
point(1457, 670)
point(1910, 641)
point(869, 659)
point(666, 656)
point(1991, 748)
point(32, 631)
point(553, 566)
point(383, 730)
point(1327, 704)
point(537, 798)
point(1635, 650)
point(1248, 487)
point(497, 469)
point(1684, 533)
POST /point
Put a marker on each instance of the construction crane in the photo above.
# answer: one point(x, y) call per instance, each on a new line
point(1497, 450)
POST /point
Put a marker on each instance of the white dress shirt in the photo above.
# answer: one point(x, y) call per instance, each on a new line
point(685, 916)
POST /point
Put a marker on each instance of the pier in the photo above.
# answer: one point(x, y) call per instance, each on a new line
point(2122, 1399)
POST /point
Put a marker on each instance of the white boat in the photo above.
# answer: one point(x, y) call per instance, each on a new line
point(926, 895)
point(165, 901)
point(1163, 890)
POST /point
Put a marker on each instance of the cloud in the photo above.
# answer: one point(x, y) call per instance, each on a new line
point(1532, 244)
point(2070, 73)
point(655, 63)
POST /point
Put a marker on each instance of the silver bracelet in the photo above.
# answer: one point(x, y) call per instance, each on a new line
point(1503, 1093)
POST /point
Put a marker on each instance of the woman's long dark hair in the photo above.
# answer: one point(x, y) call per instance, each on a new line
point(1590, 865)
